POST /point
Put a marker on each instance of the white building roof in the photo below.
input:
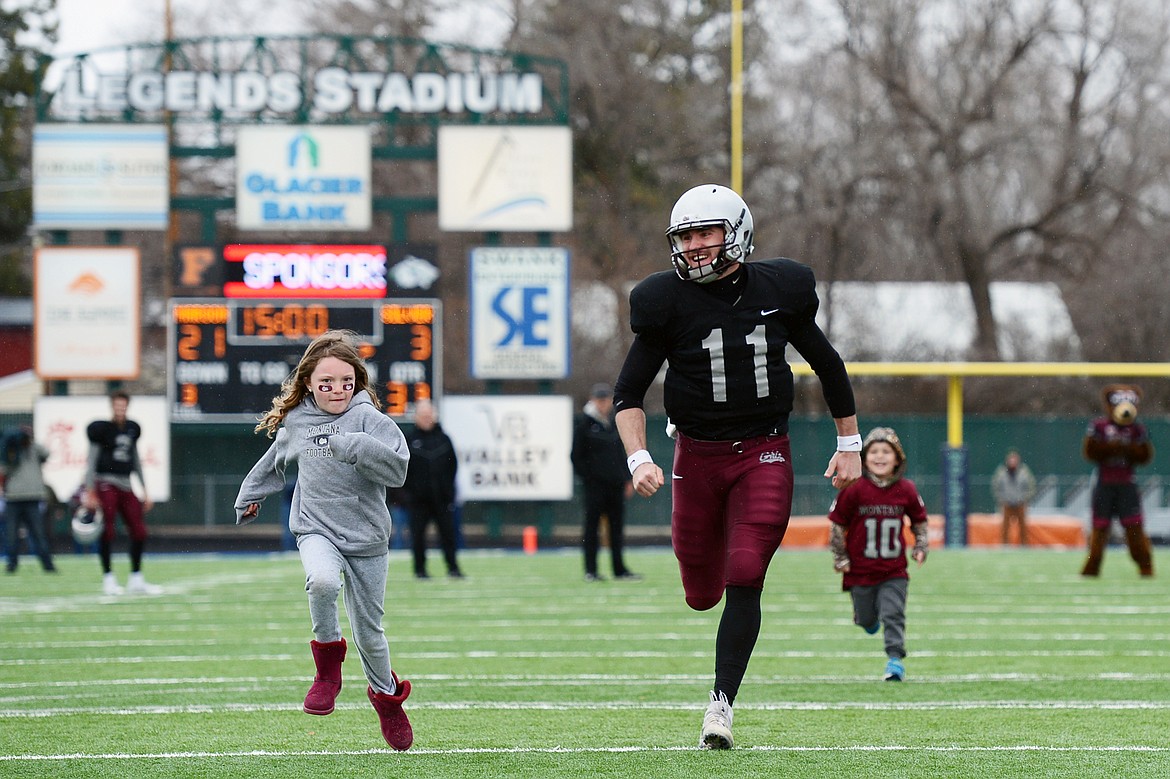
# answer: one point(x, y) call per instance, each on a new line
point(929, 321)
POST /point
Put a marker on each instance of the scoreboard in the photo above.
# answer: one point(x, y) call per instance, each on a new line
point(228, 357)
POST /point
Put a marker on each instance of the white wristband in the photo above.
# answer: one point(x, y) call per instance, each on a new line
point(637, 458)
point(848, 443)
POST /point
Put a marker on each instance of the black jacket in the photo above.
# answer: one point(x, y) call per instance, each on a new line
point(598, 454)
point(430, 477)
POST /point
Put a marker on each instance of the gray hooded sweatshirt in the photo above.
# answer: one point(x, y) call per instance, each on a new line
point(345, 462)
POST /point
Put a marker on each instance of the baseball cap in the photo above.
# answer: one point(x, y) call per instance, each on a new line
point(601, 390)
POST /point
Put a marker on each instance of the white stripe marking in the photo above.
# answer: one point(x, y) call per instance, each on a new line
point(131, 711)
point(571, 750)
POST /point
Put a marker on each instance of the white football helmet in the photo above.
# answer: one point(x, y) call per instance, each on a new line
point(86, 525)
point(704, 206)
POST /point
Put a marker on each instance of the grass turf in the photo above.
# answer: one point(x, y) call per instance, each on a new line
point(1018, 667)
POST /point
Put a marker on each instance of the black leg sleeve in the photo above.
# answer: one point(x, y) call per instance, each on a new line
point(738, 630)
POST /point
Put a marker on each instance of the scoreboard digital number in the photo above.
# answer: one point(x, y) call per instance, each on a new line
point(229, 357)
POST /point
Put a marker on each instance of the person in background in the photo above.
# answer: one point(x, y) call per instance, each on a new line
point(328, 421)
point(722, 325)
point(23, 485)
point(1014, 486)
point(866, 539)
point(599, 459)
point(113, 459)
point(430, 489)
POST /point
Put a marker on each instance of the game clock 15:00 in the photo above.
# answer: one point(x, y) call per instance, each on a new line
point(229, 357)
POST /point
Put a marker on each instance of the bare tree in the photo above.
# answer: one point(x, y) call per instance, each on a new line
point(649, 114)
point(399, 18)
point(973, 141)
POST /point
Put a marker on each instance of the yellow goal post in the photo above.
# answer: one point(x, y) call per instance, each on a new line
point(955, 372)
point(955, 485)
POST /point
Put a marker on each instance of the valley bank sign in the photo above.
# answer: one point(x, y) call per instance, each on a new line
point(328, 92)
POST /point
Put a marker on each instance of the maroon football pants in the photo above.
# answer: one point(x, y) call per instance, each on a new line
point(731, 504)
point(116, 501)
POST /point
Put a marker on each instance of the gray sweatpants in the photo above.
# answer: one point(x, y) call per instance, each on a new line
point(365, 593)
point(887, 602)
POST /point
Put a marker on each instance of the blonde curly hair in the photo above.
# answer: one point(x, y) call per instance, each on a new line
point(295, 388)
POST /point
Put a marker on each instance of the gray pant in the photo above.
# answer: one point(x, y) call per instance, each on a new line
point(887, 602)
point(365, 593)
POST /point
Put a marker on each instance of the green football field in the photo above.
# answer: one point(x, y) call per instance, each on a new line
point(1018, 667)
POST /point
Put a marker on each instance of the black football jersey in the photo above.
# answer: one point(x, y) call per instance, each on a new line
point(724, 344)
point(118, 446)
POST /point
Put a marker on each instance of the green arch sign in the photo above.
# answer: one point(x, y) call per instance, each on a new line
point(316, 79)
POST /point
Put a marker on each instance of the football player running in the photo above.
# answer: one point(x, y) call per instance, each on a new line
point(721, 325)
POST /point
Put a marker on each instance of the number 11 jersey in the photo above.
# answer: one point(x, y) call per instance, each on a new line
point(728, 377)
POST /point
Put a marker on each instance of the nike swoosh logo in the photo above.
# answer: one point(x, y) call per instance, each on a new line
point(674, 475)
point(769, 312)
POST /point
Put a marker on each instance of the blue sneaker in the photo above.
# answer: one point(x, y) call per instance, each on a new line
point(895, 671)
point(873, 628)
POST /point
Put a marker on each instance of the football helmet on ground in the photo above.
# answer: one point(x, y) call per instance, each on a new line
point(710, 205)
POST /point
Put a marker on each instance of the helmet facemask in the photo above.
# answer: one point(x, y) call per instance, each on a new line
point(706, 206)
point(726, 254)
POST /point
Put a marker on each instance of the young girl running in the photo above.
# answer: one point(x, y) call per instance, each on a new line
point(327, 420)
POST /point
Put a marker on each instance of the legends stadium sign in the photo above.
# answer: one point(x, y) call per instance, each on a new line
point(330, 91)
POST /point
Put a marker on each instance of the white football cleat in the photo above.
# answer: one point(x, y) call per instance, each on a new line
point(110, 585)
point(139, 586)
point(716, 732)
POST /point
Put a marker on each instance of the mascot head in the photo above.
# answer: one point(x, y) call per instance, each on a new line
point(1121, 402)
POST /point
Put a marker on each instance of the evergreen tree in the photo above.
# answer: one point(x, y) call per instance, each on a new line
point(27, 33)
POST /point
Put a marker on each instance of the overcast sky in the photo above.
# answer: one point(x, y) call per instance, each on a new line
point(92, 24)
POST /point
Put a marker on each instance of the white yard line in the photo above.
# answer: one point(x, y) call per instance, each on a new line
point(574, 750)
point(1003, 705)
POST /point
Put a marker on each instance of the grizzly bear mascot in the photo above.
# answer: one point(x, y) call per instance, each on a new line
point(1118, 443)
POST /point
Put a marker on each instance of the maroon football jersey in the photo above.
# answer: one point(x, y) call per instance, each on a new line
point(873, 518)
point(1118, 469)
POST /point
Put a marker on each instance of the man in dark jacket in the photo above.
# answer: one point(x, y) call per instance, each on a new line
point(599, 459)
point(430, 488)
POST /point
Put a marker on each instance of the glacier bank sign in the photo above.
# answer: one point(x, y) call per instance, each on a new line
point(300, 177)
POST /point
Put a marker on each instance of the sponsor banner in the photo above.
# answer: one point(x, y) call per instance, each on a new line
point(309, 270)
point(303, 178)
point(86, 313)
point(505, 178)
point(60, 423)
point(100, 177)
point(519, 313)
point(511, 447)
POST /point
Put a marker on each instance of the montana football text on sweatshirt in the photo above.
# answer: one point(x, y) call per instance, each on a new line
point(345, 462)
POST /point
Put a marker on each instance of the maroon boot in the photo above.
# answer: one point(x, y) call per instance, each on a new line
point(1139, 549)
point(327, 682)
point(1098, 540)
point(395, 726)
